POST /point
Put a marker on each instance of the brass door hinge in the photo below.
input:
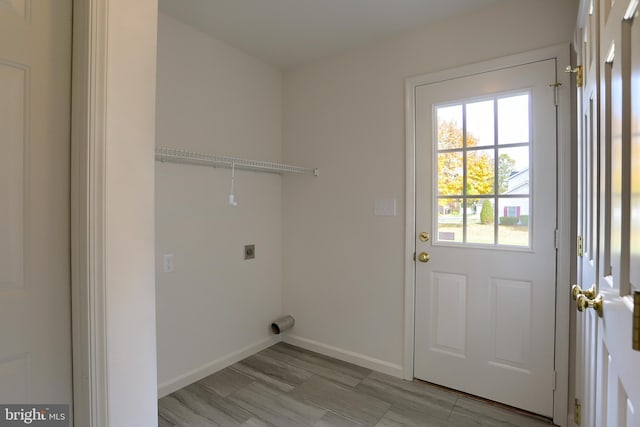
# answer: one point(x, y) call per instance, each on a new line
point(578, 72)
point(556, 93)
point(577, 413)
point(580, 247)
point(636, 321)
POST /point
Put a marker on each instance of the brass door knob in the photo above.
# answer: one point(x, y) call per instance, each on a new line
point(424, 257)
point(584, 303)
point(576, 291)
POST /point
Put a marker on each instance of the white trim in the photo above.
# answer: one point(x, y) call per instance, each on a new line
point(561, 54)
point(583, 12)
point(90, 386)
point(563, 259)
point(410, 228)
point(346, 355)
point(487, 66)
point(207, 369)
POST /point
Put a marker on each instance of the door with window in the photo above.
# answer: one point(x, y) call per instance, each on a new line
point(486, 224)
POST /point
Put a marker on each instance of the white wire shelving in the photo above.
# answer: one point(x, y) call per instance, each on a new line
point(174, 155)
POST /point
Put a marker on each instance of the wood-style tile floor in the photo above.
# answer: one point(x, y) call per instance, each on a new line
point(288, 386)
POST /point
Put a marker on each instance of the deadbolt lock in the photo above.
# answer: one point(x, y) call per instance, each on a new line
point(424, 236)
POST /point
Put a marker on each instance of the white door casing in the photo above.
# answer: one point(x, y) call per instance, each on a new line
point(102, 27)
point(88, 205)
point(35, 61)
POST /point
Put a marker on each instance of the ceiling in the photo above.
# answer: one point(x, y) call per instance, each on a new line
point(285, 33)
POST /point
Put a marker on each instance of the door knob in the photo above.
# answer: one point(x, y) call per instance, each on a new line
point(424, 257)
point(576, 291)
point(583, 303)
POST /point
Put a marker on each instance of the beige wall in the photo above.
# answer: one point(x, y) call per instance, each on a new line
point(215, 307)
point(129, 241)
point(343, 266)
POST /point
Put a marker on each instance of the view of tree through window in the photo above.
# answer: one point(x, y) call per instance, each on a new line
point(479, 201)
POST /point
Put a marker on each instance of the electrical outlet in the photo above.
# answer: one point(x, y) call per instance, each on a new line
point(249, 251)
point(167, 263)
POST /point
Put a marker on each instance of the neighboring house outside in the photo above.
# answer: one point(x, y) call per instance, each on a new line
point(517, 183)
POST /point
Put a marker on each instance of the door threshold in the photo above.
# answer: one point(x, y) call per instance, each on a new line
point(493, 403)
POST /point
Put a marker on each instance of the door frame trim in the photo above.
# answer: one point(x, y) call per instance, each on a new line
point(562, 310)
point(88, 207)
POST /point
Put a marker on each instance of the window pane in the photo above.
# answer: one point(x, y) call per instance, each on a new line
point(480, 172)
point(450, 220)
point(513, 170)
point(513, 119)
point(480, 221)
point(478, 178)
point(449, 127)
point(480, 124)
point(450, 173)
point(513, 221)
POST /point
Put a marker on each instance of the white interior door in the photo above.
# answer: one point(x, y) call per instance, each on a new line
point(486, 198)
point(611, 382)
point(35, 328)
point(588, 220)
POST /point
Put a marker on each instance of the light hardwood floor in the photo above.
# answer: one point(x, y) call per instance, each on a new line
point(288, 386)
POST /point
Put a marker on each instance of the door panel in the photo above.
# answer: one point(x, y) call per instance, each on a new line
point(608, 382)
point(510, 308)
point(449, 313)
point(485, 301)
point(35, 356)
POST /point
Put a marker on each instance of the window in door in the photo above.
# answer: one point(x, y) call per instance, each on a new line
point(483, 171)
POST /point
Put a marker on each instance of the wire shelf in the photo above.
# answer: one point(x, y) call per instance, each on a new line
point(173, 155)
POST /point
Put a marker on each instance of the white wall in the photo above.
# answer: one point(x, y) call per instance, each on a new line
point(215, 307)
point(343, 266)
point(129, 231)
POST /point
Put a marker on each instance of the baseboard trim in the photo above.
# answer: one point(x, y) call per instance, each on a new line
point(190, 377)
point(347, 356)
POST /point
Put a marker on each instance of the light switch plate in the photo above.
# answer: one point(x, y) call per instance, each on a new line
point(384, 207)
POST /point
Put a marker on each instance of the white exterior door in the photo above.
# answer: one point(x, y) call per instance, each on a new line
point(486, 263)
point(35, 327)
point(607, 375)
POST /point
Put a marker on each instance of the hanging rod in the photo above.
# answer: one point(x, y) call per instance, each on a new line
point(173, 155)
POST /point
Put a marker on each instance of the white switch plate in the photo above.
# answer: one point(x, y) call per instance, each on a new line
point(384, 207)
point(167, 263)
